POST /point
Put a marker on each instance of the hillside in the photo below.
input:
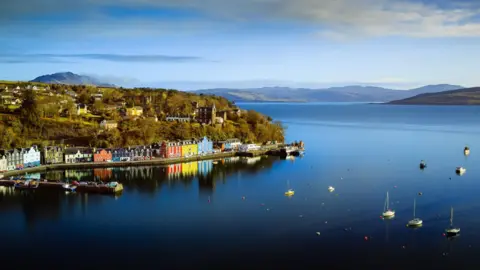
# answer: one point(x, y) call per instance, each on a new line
point(37, 113)
point(70, 79)
point(467, 96)
point(354, 93)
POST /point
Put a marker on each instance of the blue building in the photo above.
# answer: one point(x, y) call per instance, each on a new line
point(205, 146)
point(120, 154)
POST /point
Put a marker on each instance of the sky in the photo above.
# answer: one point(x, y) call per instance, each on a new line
point(195, 44)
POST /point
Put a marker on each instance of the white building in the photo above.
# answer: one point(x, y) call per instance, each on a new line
point(3, 164)
point(248, 147)
point(31, 157)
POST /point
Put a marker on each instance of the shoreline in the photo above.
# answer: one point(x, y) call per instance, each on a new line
point(91, 165)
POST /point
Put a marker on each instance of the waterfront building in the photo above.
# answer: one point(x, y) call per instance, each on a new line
point(120, 154)
point(14, 159)
point(52, 155)
point(229, 145)
point(205, 146)
point(102, 155)
point(189, 148)
point(78, 155)
point(3, 163)
point(31, 157)
point(171, 150)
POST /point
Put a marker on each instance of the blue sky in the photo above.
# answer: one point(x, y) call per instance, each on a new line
point(191, 44)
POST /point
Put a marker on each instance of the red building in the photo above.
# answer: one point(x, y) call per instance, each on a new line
point(171, 150)
point(102, 155)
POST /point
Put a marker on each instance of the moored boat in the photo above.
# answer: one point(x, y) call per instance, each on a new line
point(460, 170)
point(466, 150)
point(69, 187)
point(28, 184)
point(423, 165)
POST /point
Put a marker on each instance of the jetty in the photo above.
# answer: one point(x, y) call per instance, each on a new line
point(82, 187)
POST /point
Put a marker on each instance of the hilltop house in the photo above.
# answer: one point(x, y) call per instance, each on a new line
point(3, 163)
point(31, 157)
point(178, 118)
point(52, 155)
point(82, 109)
point(205, 146)
point(206, 115)
point(78, 155)
point(108, 124)
point(135, 111)
point(102, 155)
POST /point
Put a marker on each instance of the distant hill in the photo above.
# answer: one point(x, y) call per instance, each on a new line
point(466, 96)
point(71, 79)
point(353, 93)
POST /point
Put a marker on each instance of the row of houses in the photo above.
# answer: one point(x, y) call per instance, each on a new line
point(20, 158)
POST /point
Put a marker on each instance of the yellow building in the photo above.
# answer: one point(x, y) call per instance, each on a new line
point(189, 148)
point(135, 111)
point(189, 168)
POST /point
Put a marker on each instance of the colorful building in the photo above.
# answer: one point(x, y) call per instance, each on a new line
point(189, 148)
point(205, 146)
point(31, 157)
point(14, 158)
point(78, 155)
point(171, 150)
point(140, 153)
point(102, 155)
point(52, 155)
point(120, 154)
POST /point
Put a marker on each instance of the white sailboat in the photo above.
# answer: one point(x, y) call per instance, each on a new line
point(387, 212)
point(331, 189)
point(415, 222)
point(289, 192)
point(451, 231)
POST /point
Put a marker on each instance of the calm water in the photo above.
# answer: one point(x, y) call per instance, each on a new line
point(195, 217)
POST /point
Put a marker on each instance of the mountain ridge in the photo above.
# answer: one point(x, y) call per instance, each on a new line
point(465, 96)
point(70, 78)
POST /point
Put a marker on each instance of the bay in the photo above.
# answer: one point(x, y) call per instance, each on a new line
point(234, 213)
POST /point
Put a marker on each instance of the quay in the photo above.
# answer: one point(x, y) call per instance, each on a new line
point(99, 189)
point(272, 150)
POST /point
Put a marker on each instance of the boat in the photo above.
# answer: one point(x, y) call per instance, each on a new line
point(331, 189)
point(289, 192)
point(28, 184)
point(387, 212)
point(215, 162)
point(69, 187)
point(423, 165)
point(415, 222)
point(460, 170)
point(452, 231)
point(466, 151)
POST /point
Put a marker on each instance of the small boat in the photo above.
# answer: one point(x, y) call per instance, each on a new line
point(69, 187)
point(415, 222)
point(331, 189)
point(466, 151)
point(423, 165)
point(28, 184)
point(387, 212)
point(215, 162)
point(452, 231)
point(460, 170)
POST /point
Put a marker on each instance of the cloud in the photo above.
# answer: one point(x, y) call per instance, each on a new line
point(337, 19)
point(60, 58)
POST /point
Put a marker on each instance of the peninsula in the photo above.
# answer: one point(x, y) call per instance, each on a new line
point(466, 96)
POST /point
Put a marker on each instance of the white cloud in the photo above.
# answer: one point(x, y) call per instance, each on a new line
point(338, 19)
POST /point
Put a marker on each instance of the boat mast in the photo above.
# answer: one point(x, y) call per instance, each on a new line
point(451, 216)
point(414, 204)
point(386, 203)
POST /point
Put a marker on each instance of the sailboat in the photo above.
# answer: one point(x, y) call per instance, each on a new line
point(466, 151)
point(452, 231)
point(387, 213)
point(289, 192)
point(415, 222)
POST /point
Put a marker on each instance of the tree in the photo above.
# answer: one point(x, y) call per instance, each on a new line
point(29, 111)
